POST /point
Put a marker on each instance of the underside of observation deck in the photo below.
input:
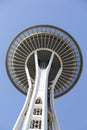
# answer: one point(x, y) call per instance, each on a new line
point(45, 40)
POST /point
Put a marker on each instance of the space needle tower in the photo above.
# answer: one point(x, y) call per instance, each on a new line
point(43, 62)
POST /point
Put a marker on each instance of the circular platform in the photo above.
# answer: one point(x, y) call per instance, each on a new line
point(44, 39)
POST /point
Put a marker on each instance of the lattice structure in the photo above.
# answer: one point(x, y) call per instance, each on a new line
point(43, 62)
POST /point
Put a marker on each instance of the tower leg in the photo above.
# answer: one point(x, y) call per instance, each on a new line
point(27, 102)
point(55, 122)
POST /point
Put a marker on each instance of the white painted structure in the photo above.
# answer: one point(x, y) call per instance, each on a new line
point(43, 62)
point(35, 113)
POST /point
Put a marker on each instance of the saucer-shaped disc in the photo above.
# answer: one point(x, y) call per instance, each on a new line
point(44, 39)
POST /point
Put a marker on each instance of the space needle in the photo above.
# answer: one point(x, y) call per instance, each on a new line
point(43, 62)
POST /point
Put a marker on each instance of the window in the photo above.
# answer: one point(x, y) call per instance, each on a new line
point(37, 111)
point(38, 101)
point(35, 124)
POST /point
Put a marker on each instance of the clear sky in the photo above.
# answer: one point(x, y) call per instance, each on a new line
point(17, 15)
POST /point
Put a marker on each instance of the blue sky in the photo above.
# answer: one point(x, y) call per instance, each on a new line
point(15, 16)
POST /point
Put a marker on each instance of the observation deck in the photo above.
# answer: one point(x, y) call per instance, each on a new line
point(44, 39)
